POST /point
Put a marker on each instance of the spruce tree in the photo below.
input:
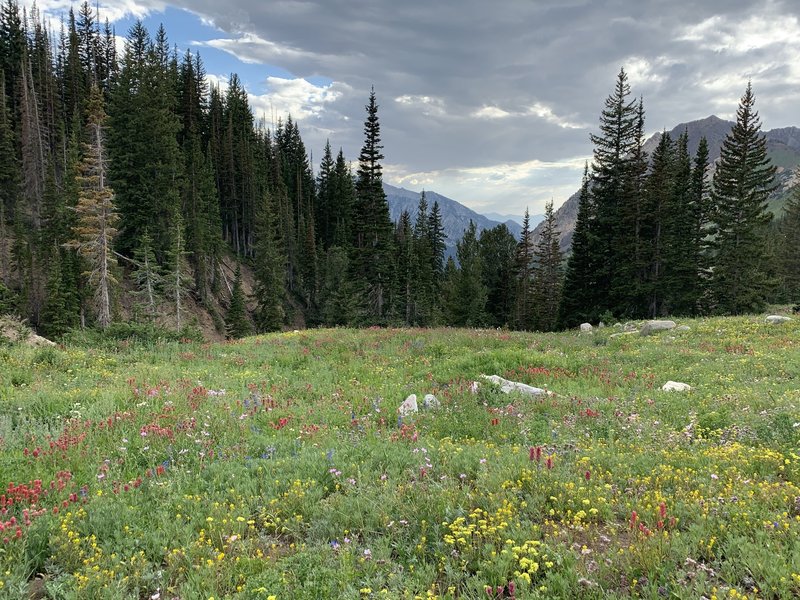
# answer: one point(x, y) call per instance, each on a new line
point(523, 277)
point(547, 273)
point(700, 226)
point(146, 276)
point(269, 271)
point(497, 248)
point(372, 227)
point(615, 197)
point(237, 324)
point(579, 301)
point(467, 293)
point(789, 250)
point(177, 280)
point(742, 182)
point(424, 285)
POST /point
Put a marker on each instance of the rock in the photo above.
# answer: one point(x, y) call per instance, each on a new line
point(601, 325)
point(409, 406)
point(617, 325)
point(474, 387)
point(777, 319)
point(652, 327)
point(683, 328)
point(430, 401)
point(507, 386)
point(621, 333)
point(586, 328)
point(630, 326)
point(37, 340)
point(676, 386)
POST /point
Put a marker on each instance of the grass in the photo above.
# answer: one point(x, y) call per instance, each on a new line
point(277, 466)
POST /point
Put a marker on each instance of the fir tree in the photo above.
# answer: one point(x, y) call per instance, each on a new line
point(579, 302)
point(497, 248)
point(700, 226)
point(547, 273)
point(237, 325)
point(268, 268)
point(789, 249)
point(523, 277)
point(742, 182)
point(467, 294)
point(424, 284)
point(146, 276)
point(372, 243)
point(177, 280)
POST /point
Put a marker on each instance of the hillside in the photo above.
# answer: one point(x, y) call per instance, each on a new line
point(783, 147)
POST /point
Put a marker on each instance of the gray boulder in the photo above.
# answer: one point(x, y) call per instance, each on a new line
point(652, 327)
point(586, 328)
point(507, 386)
point(430, 401)
point(409, 406)
point(676, 386)
point(777, 319)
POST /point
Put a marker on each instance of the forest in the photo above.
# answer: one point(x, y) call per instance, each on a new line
point(132, 191)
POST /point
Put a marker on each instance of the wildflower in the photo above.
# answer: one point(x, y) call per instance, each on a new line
point(588, 475)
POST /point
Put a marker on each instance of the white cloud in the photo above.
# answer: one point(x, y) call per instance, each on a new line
point(296, 97)
point(491, 112)
point(545, 112)
point(722, 34)
point(428, 105)
point(113, 10)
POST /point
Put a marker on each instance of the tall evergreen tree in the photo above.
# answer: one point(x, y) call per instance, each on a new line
point(615, 151)
point(424, 282)
point(700, 226)
point(269, 270)
point(497, 248)
point(466, 292)
point(548, 273)
point(789, 253)
point(237, 324)
point(579, 301)
point(523, 277)
point(742, 182)
point(372, 227)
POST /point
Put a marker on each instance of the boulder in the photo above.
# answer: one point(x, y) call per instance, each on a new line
point(507, 386)
point(586, 328)
point(777, 319)
point(683, 328)
point(409, 406)
point(676, 386)
point(430, 401)
point(630, 326)
point(652, 327)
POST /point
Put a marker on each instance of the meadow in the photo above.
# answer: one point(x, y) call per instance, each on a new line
point(277, 467)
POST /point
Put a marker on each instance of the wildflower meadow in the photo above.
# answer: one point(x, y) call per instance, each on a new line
point(278, 467)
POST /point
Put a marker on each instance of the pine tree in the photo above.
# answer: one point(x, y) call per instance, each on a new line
point(268, 267)
point(405, 308)
point(497, 247)
point(615, 151)
point(547, 273)
point(96, 216)
point(789, 250)
point(372, 245)
point(742, 182)
point(146, 276)
point(579, 301)
point(523, 277)
point(700, 225)
point(177, 280)
point(237, 324)
point(466, 293)
point(424, 284)
point(660, 184)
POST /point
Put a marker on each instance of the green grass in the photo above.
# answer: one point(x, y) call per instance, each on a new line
point(277, 466)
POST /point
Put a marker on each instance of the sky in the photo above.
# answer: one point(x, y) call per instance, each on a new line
point(488, 102)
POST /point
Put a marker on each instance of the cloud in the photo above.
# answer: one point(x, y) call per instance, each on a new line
point(427, 105)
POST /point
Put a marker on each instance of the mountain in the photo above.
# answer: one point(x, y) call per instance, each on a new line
point(783, 147)
point(455, 216)
point(534, 219)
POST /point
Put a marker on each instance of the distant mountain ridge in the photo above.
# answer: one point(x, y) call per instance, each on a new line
point(783, 147)
point(455, 216)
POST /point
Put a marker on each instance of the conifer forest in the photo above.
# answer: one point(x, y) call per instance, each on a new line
point(134, 192)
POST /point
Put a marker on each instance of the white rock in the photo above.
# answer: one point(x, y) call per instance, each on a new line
point(474, 387)
point(777, 319)
point(507, 386)
point(652, 327)
point(409, 406)
point(683, 328)
point(430, 401)
point(586, 328)
point(676, 386)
